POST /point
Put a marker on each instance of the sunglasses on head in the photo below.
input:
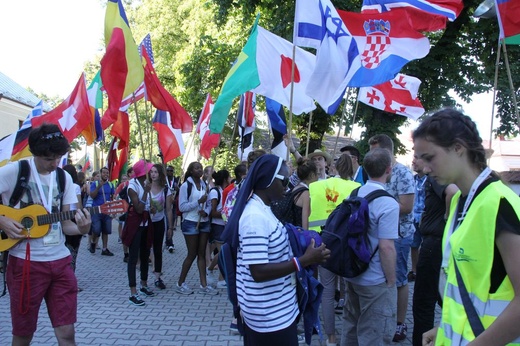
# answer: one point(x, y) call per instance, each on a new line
point(52, 135)
point(285, 180)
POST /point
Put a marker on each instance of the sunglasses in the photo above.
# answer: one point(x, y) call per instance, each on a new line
point(285, 180)
point(53, 135)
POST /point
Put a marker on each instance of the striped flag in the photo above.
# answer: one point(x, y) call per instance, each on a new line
point(278, 124)
point(208, 140)
point(21, 145)
point(170, 138)
point(246, 124)
point(508, 14)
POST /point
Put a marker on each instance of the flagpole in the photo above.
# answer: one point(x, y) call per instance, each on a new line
point(189, 148)
point(511, 83)
point(231, 141)
point(354, 117)
point(289, 127)
point(495, 86)
point(150, 130)
point(139, 128)
point(308, 134)
point(341, 122)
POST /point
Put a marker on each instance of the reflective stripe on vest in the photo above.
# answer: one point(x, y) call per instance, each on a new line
point(473, 246)
point(493, 307)
point(317, 223)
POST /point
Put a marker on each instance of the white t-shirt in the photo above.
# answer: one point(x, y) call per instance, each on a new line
point(52, 246)
point(135, 185)
point(213, 194)
point(271, 305)
point(158, 201)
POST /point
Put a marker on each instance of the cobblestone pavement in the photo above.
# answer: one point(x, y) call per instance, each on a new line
point(105, 316)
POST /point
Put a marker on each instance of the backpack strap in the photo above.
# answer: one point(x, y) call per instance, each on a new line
point(60, 178)
point(190, 188)
point(22, 183)
point(218, 193)
point(376, 194)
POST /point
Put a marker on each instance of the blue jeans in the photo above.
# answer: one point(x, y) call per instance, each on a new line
point(101, 223)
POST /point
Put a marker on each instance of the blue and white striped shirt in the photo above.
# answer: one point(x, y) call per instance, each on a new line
point(266, 306)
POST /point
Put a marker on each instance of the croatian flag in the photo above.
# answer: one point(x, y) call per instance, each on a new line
point(318, 25)
point(386, 42)
point(447, 8)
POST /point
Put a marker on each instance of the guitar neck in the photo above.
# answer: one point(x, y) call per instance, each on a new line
point(48, 219)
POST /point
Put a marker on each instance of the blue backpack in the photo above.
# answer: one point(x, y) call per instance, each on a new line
point(346, 235)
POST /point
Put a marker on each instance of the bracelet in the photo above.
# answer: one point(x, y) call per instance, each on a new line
point(297, 264)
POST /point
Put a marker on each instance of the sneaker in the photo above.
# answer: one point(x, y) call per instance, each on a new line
point(301, 339)
point(170, 248)
point(411, 276)
point(160, 284)
point(92, 248)
point(147, 291)
point(210, 277)
point(221, 284)
point(125, 259)
point(233, 328)
point(106, 252)
point(208, 290)
point(136, 300)
point(119, 241)
point(400, 332)
point(183, 289)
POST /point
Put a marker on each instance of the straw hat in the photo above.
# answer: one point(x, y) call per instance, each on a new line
point(325, 154)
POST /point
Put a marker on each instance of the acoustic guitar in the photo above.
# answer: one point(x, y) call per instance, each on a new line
point(36, 220)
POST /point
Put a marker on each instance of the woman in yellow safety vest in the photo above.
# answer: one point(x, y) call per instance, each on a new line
point(480, 275)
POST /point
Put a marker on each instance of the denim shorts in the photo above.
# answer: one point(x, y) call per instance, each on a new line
point(402, 248)
point(215, 236)
point(190, 227)
point(101, 223)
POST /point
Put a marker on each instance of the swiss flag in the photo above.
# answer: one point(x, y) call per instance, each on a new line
point(398, 96)
point(208, 140)
point(73, 115)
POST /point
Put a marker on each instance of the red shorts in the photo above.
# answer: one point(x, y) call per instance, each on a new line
point(53, 281)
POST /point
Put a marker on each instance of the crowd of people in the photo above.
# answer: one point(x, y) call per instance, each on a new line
point(454, 218)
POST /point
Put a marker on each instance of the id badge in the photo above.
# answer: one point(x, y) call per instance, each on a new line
point(53, 237)
point(293, 279)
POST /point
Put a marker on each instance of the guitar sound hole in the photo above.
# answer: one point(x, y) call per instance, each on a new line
point(27, 222)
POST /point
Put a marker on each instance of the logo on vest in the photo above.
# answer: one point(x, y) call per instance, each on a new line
point(462, 257)
point(331, 195)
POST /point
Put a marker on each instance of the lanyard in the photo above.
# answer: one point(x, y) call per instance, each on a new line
point(47, 202)
point(456, 221)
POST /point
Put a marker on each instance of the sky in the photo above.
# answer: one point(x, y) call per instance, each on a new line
point(47, 42)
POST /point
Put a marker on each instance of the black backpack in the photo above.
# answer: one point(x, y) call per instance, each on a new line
point(285, 209)
point(346, 235)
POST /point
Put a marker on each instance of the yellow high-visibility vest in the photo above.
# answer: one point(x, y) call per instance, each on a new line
point(472, 246)
point(325, 196)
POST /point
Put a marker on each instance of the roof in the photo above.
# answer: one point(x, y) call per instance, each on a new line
point(15, 92)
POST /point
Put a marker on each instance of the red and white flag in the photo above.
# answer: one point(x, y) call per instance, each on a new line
point(208, 140)
point(398, 96)
point(73, 115)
